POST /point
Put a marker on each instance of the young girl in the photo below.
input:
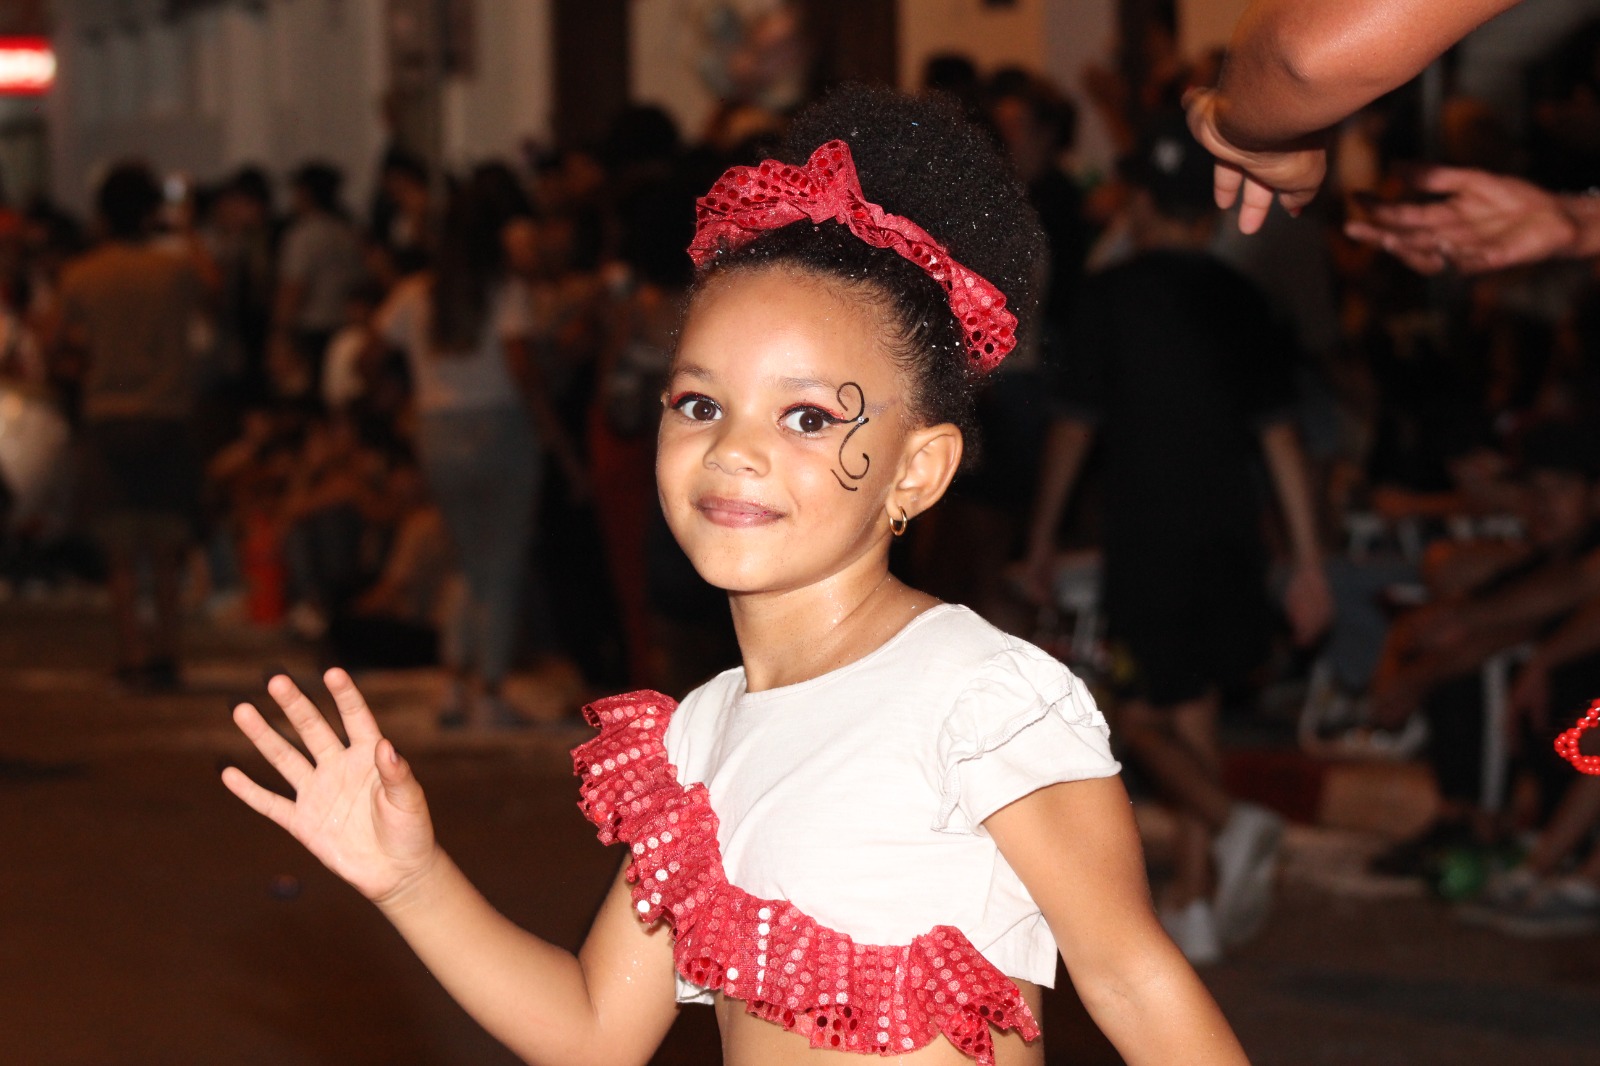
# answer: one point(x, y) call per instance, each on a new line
point(874, 835)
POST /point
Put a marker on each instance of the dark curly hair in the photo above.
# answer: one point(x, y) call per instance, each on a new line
point(918, 157)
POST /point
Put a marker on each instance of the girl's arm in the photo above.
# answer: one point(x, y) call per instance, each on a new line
point(612, 1003)
point(1077, 850)
point(359, 809)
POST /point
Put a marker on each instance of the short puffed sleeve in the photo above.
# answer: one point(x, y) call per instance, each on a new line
point(1024, 722)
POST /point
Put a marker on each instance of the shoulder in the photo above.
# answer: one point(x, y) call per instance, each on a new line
point(1019, 720)
point(704, 708)
point(966, 643)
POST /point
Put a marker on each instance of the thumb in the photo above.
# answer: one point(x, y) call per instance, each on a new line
point(400, 785)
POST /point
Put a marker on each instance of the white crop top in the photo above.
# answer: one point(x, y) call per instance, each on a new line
point(859, 796)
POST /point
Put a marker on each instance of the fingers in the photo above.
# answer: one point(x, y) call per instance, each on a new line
point(1444, 179)
point(1253, 208)
point(319, 737)
point(258, 799)
point(359, 724)
point(1424, 257)
point(1225, 184)
point(284, 757)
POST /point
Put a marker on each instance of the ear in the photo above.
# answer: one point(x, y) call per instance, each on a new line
point(928, 464)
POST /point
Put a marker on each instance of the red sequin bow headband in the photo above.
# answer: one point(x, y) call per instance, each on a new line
point(747, 201)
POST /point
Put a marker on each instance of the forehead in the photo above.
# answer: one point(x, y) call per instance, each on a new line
point(780, 322)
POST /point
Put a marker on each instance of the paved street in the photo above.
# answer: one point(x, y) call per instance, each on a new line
point(147, 918)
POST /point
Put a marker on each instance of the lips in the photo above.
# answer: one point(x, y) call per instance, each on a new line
point(735, 512)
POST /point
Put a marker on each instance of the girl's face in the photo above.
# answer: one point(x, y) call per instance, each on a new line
point(785, 446)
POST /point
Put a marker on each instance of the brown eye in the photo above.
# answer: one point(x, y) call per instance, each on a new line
point(698, 408)
point(807, 420)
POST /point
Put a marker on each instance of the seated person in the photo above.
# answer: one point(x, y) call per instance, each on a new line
point(1491, 597)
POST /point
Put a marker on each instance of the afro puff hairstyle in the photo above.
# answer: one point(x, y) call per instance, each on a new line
point(918, 157)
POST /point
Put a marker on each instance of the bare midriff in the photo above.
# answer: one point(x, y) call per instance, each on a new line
point(751, 1041)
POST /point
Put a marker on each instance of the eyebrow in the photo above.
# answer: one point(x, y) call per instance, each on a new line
point(700, 373)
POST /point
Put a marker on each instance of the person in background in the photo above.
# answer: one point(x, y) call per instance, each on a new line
point(1486, 598)
point(126, 329)
point(484, 422)
point(351, 353)
point(1173, 366)
point(319, 263)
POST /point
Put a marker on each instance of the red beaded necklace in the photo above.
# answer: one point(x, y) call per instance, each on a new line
point(1567, 743)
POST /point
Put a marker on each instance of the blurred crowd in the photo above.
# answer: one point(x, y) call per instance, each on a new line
point(414, 425)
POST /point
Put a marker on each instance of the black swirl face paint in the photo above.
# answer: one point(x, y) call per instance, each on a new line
point(858, 420)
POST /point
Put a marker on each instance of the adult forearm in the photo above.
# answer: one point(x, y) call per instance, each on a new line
point(1534, 601)
point(529, 994)
point(1298, 66)
point(1066, 447)
point(1291, 480)
point(1577, 638)
point(1584, 211)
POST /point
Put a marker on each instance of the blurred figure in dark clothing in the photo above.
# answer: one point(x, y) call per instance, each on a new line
point(1037, 125)
point(128, 323)
point(1175, 369)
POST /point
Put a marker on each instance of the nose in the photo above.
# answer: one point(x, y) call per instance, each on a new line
point(738, 446)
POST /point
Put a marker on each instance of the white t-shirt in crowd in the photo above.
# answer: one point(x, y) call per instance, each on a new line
point(462, 381)
point(859, 796)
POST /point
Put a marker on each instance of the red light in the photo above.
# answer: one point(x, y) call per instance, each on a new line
point(27, 66)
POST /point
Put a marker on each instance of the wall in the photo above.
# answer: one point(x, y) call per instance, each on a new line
point(991, 36)
point(274, 82)
point(664, 39)
point(507, 98)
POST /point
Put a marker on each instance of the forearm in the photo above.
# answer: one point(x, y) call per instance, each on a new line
point(529, 994)
point(1291, 481)
point(1577, 638)
point(1066, 447)
point(1160, 1013)
point(1296, 67)
point(1533, 601)
point(1583, 209)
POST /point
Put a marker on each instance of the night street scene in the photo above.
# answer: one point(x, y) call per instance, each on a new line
point(759, 531)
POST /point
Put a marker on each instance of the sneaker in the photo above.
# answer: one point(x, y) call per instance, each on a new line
point(1507, 891)
point(1569, 906)
point(1246, 854)
point(1194, 929)
point(493, 712)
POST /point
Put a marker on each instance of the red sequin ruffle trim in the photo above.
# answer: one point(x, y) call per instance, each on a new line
point(787, 968)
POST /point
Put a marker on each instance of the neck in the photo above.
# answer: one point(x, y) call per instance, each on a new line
point(793, 636)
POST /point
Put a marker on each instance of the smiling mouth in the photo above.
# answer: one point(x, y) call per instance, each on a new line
point(727, 511)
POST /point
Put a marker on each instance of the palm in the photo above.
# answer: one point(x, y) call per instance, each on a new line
point(1488, 222)
point(356, 807)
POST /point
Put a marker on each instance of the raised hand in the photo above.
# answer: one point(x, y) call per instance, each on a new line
point(1253, 179)
point(1489, 221)
point(357, 807)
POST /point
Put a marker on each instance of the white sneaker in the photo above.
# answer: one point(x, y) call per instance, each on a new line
point(1246, 854)
point(1194, 929)
point(1567, 906)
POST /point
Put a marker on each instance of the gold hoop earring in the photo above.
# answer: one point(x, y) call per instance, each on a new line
point(897, 526)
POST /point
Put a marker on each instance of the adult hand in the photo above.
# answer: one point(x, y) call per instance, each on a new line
point(1490, 221)
point(1308, 603)
point(357, 807)
point(1253, 179)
